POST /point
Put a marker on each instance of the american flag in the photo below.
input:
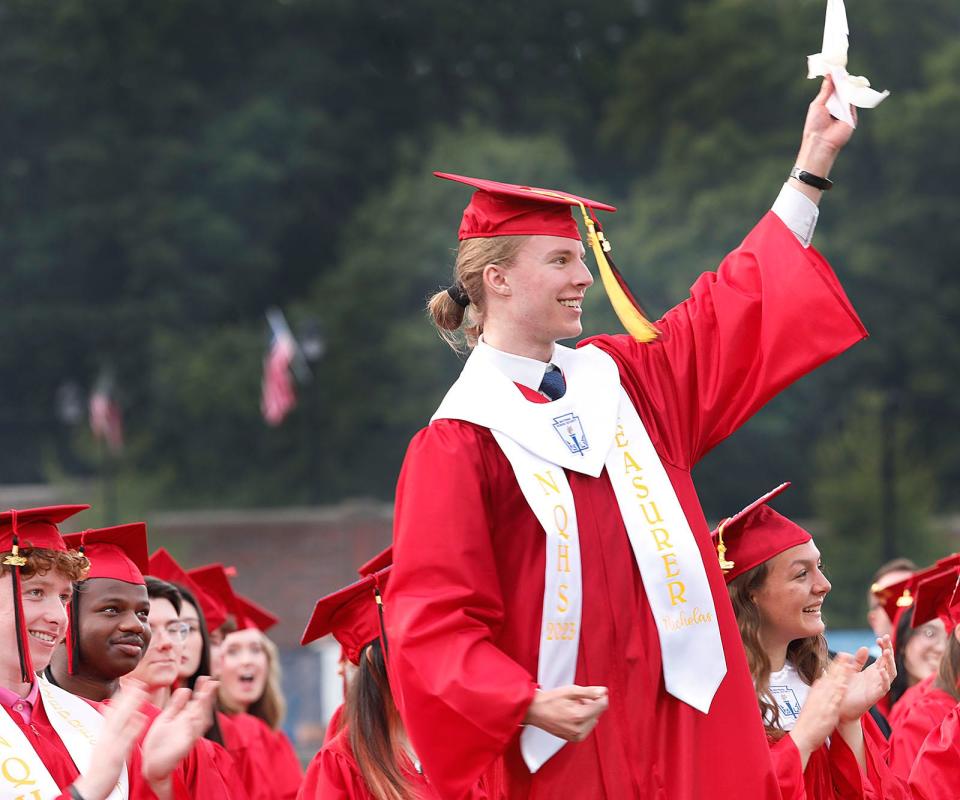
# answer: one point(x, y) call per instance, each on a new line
point(106, 419)
point(277, 396)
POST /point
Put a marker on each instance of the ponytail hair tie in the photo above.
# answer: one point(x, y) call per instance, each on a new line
point(458, 295)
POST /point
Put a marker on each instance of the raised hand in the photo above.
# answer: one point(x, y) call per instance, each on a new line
point(122, 726)
point(824, 137)
point(868, 685)
point(569, 712)
point(177, 728)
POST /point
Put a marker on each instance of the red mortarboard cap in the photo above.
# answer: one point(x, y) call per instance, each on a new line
point(754, 535)
point(378, 562)
point(934, 598)
point(350, 614)
point(165, 566)
point(119, 552)
point(896, 597)
point(36, 527)
point(213, 580)
point(32, 528)
point(251, 615)
point(505, 209)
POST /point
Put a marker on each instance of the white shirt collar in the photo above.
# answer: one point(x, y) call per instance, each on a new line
point(520, 369)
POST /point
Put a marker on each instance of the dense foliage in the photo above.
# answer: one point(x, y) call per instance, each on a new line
point(171, 169)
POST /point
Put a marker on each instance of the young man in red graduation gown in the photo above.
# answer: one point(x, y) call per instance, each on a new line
point(47, 734)
point(556, 601)
point(110, 633)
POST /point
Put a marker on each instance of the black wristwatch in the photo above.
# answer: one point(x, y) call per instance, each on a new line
point(824, 184)
point(74, 793)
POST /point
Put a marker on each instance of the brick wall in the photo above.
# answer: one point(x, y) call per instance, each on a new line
point(285, 558)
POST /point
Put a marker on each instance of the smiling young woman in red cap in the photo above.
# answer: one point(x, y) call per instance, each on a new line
point(823, 741)
point(555, 602)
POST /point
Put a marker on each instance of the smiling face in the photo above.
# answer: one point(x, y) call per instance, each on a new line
point(114, 628)
point(160, 664)
point(44, 607)
point(243, 668)
point(536, 300)
point(924, 651)
point(791, 598)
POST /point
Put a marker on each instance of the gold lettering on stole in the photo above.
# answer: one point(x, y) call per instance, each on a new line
point(670, 565)
point(564, 605)
point(676, 589)
point(23, 768)
point(651, 513)
point(561, 519)
point(548, 484)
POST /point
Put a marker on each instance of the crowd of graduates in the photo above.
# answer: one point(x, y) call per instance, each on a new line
point(554, 617)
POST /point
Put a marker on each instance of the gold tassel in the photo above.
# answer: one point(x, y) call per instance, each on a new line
point(725, 565)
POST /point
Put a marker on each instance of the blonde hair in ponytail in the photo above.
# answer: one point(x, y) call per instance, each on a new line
point(460, 327)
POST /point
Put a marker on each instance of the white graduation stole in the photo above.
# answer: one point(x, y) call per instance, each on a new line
point(593, 427)
point(23, 775)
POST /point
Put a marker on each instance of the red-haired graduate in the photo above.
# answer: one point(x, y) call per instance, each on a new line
point(55, 744)
point(823, 740)
point(556, 601)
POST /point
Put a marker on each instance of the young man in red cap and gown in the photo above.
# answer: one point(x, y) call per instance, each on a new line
point(108, 635)
point(823, 741)
point(556, 600)
point(265, 756)
point(47, 735)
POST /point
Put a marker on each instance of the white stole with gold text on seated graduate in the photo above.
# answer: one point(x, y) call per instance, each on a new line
point(593, 427)
point(23, 775)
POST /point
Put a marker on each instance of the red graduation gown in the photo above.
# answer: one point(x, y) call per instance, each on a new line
point(924, 715)
point(334, 775)
point(56, 758)
point(936, 771)
point(907, 699)
point(466, 594)
point(832, 772)
point(206, 771)
point(266, 760)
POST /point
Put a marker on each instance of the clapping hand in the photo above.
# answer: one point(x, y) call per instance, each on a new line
point(868, 685)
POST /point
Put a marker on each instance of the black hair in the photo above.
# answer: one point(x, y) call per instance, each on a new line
point(213, 733)
point(157, 588)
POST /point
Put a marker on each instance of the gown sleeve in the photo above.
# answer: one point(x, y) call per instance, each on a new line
point(333, 776)
point(788, 769)
point(935, 774)
point(772, 312)
point(443, 610)
point(285, 766)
